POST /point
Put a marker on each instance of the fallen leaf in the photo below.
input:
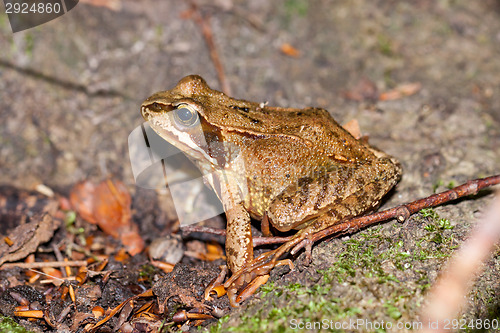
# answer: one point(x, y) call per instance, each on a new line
point(82, 200)
point(365, 89)
point(289, 50)
point(108, 206)
point(114, 5)
point(27, 237)
point(26, 222)
point(111, 205)
point(352, 126)
point(214, 251)
point(402, 90)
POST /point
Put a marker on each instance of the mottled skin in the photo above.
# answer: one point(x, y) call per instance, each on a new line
point(298, 167)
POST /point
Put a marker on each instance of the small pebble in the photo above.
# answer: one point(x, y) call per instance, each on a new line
point(168, 249)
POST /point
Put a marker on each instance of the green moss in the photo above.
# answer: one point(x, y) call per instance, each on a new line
point(365, 281)
point(392, 310)
point(69, 223)
point(70, 218)
point(147, 271)
point(296, 7)
point(436, 227)
point(218, 327)
point(8, 325)
point(268, 288)
point(436, 185)
point(385, 45)
point(30, 44)
point(440, 183)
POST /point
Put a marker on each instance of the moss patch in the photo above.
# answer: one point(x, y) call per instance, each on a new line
point(8, 325)
point(376, 276)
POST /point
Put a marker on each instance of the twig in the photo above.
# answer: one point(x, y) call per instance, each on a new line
point(112, 312)
point(59, 258)
point(252, 19)
point(257, 241)
point(208, 230)
point(401, 213)
point(206, 30)
point(60, 83)
point(45, 264)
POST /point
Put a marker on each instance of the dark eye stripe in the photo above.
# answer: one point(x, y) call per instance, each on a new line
point(159, 107)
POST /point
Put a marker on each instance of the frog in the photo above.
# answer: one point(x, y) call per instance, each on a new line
point(290, 168)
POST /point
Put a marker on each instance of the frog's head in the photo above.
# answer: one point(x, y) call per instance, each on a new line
point(180, 117)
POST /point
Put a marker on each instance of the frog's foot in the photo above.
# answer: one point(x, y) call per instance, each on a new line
point(243, 283)
point(235, 298)
point(246, 281)
point(305, 244)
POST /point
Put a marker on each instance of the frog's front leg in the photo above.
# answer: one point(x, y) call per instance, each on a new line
point(239, 244)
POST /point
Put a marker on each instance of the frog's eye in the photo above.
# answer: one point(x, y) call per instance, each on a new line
point(185, 116)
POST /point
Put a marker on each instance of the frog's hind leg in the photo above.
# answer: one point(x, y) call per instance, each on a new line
point(362, 192)
point(265, 262)
point(342, 191)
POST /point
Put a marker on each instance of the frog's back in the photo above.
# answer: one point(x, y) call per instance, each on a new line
point(311, 127)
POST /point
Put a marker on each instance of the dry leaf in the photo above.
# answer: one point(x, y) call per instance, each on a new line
point(108, 205)
point(352, 126)
point(402, 90)
point(112, 207)
point(365, 89)
point(82, 200)
point(289, 50)
point(114, 5)
point(26, 222)
point(27, 237)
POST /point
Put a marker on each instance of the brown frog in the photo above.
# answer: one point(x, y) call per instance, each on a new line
point(290, 168)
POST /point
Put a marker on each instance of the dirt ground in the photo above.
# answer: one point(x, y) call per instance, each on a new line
point(70, 92)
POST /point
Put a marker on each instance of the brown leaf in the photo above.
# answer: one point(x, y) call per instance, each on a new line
point(402, 90)
point(114, 5)
point(214, 251)
point(365, 89)
point(27, 237)
point(111, 205)
point(289, 50)
point(108, 206)
point(352, 126)
point(82, 200)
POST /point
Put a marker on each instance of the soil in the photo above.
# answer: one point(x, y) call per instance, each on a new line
point(70, 92)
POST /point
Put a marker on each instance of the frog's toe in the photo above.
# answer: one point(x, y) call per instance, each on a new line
point(249, 279)
point(251, 288)
point(305, 244)
point(216, 285)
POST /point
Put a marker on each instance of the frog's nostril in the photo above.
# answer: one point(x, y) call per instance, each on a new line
point(145, 111)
